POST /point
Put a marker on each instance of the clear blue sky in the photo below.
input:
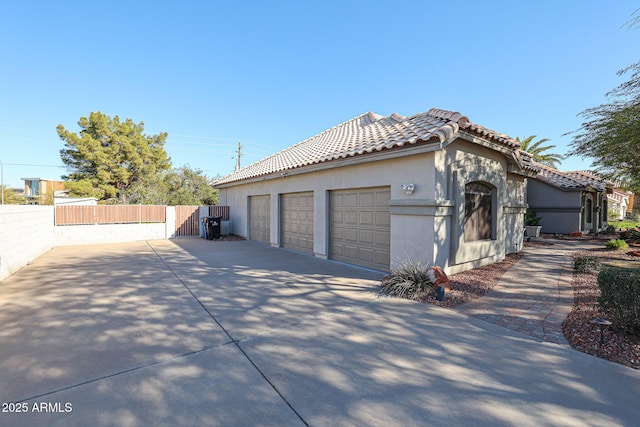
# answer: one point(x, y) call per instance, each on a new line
point(272, 73)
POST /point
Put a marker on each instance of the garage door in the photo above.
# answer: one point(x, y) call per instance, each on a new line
point(297, 221)
point(359, 227)
point(259, 218)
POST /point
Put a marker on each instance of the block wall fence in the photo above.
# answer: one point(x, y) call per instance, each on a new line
point(28, 231)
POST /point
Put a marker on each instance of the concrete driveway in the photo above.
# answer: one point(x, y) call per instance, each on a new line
point(193, 332)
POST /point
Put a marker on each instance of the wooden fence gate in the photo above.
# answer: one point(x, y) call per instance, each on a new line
point(188, 218)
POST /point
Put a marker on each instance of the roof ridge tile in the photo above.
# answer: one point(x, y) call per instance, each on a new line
point(368, 133)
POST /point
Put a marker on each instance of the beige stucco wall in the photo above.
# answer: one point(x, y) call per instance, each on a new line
point(426, 225)
point(564, 211)
point(407, 237)
point(468, 162)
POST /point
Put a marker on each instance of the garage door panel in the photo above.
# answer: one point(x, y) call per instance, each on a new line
point(367, 200)
point(382, 219)
point(382, 199)
point(350, 252)
point(350, 235)
point(366, 218)
point(367, 236)
point(297, 221)
point(367, 255)
point(350, 217)
point(351, 200)
point(360, 226)
point(383, 258)
point(382, 239)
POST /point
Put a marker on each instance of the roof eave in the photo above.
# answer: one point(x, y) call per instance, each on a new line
point(391, 153)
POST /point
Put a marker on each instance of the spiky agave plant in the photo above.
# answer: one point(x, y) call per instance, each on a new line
point(411, 279)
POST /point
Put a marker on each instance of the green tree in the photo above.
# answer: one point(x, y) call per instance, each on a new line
point(110, 157)
point(610, 135)
point(180, 186)
point(537, 151)
point(11, 197)
point(190, 187)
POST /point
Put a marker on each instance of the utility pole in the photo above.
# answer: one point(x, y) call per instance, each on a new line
point(238, 155)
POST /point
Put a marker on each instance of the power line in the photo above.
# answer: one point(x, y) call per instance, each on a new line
point(28, 164)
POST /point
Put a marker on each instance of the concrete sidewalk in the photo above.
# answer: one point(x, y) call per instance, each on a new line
point(535, 295)
point(194, 332)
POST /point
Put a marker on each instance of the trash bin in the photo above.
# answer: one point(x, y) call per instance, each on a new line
point(213, 227)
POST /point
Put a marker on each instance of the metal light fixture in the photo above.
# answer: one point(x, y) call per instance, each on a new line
point(408, 188)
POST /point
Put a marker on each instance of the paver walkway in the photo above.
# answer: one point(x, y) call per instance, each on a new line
point(535, 295)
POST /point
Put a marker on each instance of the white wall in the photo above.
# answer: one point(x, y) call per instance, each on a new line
point(108, 233)
point(26, 232)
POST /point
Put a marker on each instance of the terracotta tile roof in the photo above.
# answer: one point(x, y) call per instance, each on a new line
point(370, 133)
point(525, 161)
point(573, 180)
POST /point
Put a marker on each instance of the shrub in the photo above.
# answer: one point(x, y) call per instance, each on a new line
point(617, 244)
point(411, 280)
point(531, 218)
point(620, 297)
point(611, 229)
point(631, 235)
point(586, 264)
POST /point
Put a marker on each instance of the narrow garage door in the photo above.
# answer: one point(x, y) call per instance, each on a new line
point(359, 227)
point(297, 221)
point(259, 218)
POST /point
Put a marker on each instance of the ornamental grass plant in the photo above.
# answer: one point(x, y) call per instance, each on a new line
point(411, 280)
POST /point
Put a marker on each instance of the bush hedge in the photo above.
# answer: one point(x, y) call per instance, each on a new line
point(620, 297)
point(586, 264)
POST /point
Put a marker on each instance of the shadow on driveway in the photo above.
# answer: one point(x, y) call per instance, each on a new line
point(193, 332)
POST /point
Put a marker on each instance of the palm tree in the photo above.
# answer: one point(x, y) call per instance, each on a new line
point(537, 151)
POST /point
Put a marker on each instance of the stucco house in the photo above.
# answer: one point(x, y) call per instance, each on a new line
point(619, 204)
point(377, 190)
point(568, 201)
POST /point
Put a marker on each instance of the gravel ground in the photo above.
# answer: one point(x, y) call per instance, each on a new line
point(474, 283)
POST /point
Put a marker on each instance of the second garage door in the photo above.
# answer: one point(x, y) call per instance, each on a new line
point(359, 227)
point(297, 221)
point(259, 218)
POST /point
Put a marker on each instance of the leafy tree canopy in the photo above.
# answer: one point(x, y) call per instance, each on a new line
point(180, 186)
point(190, 187)
point(537, 151)
point(108, 157)
point(610, 134)
point(11, 197)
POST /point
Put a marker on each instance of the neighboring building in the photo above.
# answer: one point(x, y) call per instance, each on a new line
point(39, 191)
point(568, 201)
point(61, 198)
point(375, 191)
point(619, 203)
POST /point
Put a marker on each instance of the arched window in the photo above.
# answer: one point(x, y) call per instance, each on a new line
point(477, 212)
point(605, 210)
point(589, 209)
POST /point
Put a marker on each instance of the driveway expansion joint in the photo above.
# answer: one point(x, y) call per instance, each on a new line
point(233, 340)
